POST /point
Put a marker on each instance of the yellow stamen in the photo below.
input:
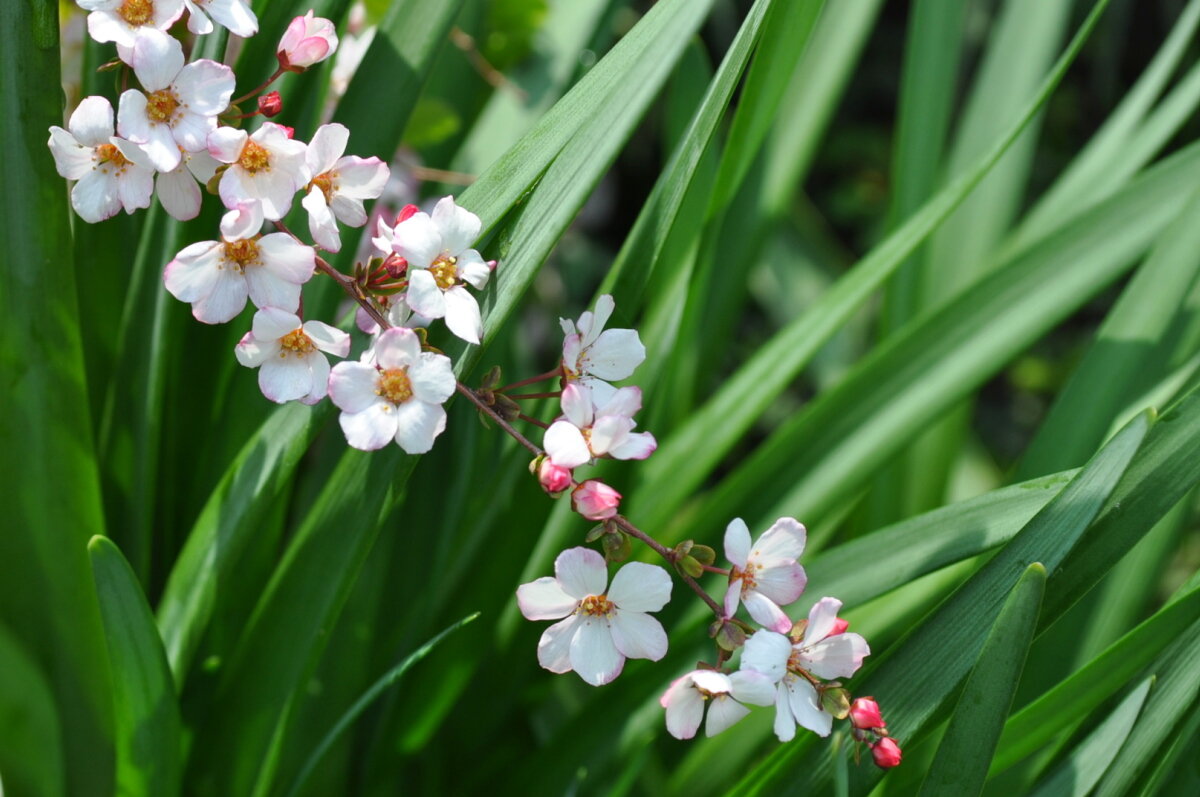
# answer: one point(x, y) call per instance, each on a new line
point(254, 157)
point(296, 342)
point(325, 183)
point(596, 606)
point(161, 105)
point(394, 385)
point(136, 12)
point(241, 254)
point(444, 271)
point(109, 155)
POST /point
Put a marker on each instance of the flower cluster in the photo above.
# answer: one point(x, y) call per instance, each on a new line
point(182, 129)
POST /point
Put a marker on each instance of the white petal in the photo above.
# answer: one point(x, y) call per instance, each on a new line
point(179, 194)
point(785, 720)
point(417, 240)
point(737, 542)
point(782, 583)
point(266, 289)
point(227, 299)
point(638, 635)
point(458, 226)
point(225, 144)
point(326, 146)
point(347, 210)
point(462, 314)
point(205, 86)
point(593, 655)
point(544, 600)
point(285, 377)
point(235, 15)
point(616, 354)
point(252, 353)
point(135, 187)
point(423, 295)
point(272, 323)
point(362, 178)
point(635, 446)
point(372, 428)
point(821, 618)
point(72, 159)
point(565, 444)
point(418, 424)
point(319, 366)
point(640, 587)
point(473, 269)
point(836, 656)
point(191, 130)
point(92, 121)
point(765, 612)
point(767, 652)
point(397, 347)
point(752, 687)
point(608, 432)
point(327, 338)
point(287, 259)
point(157, 58)
point(723, 711)
point(432, 378)
point(202, 165)
point(805, 705)
point(96, 197)
point(198, 22)
point(243, 221)
point(352, 388)
point(577, 405)
point(784, 540)
point(554, 648)
point(193, 272)
point(581, 572)
point(685, 708)
point(321, 224)
point(733, 597)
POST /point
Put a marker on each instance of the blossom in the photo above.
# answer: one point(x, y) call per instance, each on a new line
point(178, 190)
point(886, 753)
point(397, 311)
point(183, 101)
point(339, 185)
point(588, 432)
point(288, 354)
point(120, 20)
point(395, 392)
point(553, 478)
point(308, 40)
point(595, 500)
point(267, 166)
point(236, 15)
point(440, 260)
point(601, 628)
point(765, 576)
point(865, 715)
point(818, 654)
point(112, 173)
point(215, 277)
point(594, 356)
point(684, 700)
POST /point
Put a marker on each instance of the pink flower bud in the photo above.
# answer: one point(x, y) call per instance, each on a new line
point(290, 132)
point(395, 266)
point(595, 500)
point(554, 478)
point(886, 753)
point(270, 104)
point(864, 714)
point(406, 213)
point(308, 40)
point(839, 627)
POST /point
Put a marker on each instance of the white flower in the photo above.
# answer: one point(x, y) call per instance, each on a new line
point(601, 628)
point(397, 311)
point(593, 356)
point(589, 432)
point(395, 393)
point(119, 20)
point(112, 172)
point(338, 186)
point(440, 260)
point(765, 576)
point(215, 277)
point(235, 15)
point(684, 700)
point(288, 355)
point(307, 40)
point(819, 654)
point(267, 166)
point(178, 191)
point(183, 101)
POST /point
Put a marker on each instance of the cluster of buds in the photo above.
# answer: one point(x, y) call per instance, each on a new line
point(182, 131)
point(869, 727)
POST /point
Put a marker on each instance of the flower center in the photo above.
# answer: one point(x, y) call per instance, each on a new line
point(161, 105)
point(394, 385)
point(108, 154)
point(136, 12)
point(296, 342)
point(324, 181)
point(254, 157)
point(596, 606)
point(444, 271)
point(746, 575)
point(241, 253)
point(794, 664)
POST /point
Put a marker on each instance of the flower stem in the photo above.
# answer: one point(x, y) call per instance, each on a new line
point(552, 394)
point(539, 378)
point(534, 421)
point(503, 424)
point(257, 91)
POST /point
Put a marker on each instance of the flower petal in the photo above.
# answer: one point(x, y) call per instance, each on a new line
point(227, 299)
point(766, 612)
point(423, 295)
point(785, 720)
point(685, 708)
point(576, 404)
point(432, 378)
point(352, 387)
point(581, 572)
point(723, 712)
point(638, 635)
point(458, 226)
point(594, 656)
point(418, 424)
point(417, 240)
point(767, 652)
point(821, 618)
point(752, 687)
point(205, 87)
point(462, 314)
point(737, 542)
point(806, 707)
point(782, 583)
point(565, 444)
point(640, 587)
point(321, 224)
point(634, 446)
point(285, 378)
point(784, 540)
point(92, 121)
point(836, 656)
point(179, 194)
point(326, 146)
point(733, 597)
point(157, 58)
point(372, 428)
point(544, 599)
point(616, 354)
point(554, 648)
point(397, 347)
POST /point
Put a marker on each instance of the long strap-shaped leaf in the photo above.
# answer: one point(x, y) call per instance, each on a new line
point(684, 460)
point(960, 766)
point(148, 724)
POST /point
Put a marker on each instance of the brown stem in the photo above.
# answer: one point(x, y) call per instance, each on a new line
point(553, 394)
point(254, 92)
point(711, 569)
point(534, 421)
point(503, 424)
point(669, 555)
point(539, 378)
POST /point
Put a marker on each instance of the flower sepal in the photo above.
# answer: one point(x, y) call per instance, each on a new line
point(835, 700)
point(729, 634)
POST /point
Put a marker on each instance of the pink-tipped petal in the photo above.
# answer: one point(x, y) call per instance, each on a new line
point(352, 388)
point(836, 657)
point(285, 378)
point(417, 240)
point(782, 583)
point(784, 540)
point(821, 620)
point(685, 709)
point(615, 355)
point(766, 612)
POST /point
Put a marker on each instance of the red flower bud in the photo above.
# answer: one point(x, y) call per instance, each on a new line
point(270, 104)
point(554, 478)
point(839, 626)
point(864, 714)
point(406, 212)
point(886, 753)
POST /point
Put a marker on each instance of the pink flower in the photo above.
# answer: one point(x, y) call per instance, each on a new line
point(288, 355)
point(864, 714)
point(725, 694)
point(594, 356)
point(588, 432)
point(308, 40)
point(266, 166)
point(395, 392)
point(119, 20)
point(595, 500)
point(112, 173)
point(338, 186)
point(765, 576)
point(554, 478)
point(236, 15)
point(886, 753)
point(602, 628)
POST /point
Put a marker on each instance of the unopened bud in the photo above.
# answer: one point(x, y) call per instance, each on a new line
point(689, 565)
point(683, 549)
point(836, 702)
point(553, 478)
point(270, 104)
point(308, 40)
point(703, 554)
point(864, 714)
point(506, 408)
point(491, 378)
point(886, 753)
point(594, 499)
point(730, 637)
point(406, 213)
point(616, 547)
point(395, 266)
